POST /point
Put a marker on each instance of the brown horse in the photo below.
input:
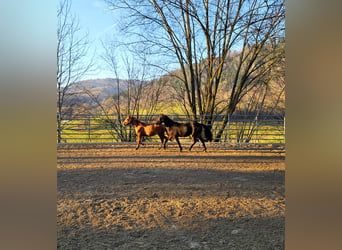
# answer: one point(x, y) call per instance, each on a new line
point(195, 129)
point(143, 129)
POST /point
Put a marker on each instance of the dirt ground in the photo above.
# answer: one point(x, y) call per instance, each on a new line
point(116, 197)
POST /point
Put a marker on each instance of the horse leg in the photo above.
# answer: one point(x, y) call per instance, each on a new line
point(138, 142)
point(194, 140)
point(205, 148)
point(162, 138)
point(180, 147)
point(165, 139)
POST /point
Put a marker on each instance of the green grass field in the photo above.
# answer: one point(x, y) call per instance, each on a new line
point(99, 130)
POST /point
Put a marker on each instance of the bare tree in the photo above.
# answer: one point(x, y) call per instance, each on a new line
point(201, 35)
point(138, 95)
point(72, 48)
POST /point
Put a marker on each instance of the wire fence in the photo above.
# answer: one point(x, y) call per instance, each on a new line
point(238, 128)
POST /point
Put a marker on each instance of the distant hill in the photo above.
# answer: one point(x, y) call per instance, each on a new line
point(102, 88)
point(106, 86)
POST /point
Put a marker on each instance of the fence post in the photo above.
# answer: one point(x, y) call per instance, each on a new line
point(228, 126)
point(59, 137)
point(284, 130)
point(257, 137)
point(89, 135)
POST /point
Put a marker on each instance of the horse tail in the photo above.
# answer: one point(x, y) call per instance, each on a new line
point(207, 133)
point(202, 129)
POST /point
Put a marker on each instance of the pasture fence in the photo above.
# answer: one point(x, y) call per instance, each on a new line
point(102, 128)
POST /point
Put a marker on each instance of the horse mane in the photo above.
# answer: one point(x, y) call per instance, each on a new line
point(169, 120)
point(136, 121)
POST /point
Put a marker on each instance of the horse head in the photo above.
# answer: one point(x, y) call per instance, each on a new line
point(127, 121)
point(161, 119)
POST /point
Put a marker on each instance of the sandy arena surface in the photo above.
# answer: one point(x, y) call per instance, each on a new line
point(116, 197)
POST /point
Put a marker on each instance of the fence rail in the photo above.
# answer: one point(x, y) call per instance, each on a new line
point(100, 128)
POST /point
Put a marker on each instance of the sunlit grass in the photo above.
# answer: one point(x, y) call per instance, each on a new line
point(96, 130)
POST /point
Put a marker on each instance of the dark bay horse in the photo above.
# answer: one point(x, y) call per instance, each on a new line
point(143, 129)
point(195, 129)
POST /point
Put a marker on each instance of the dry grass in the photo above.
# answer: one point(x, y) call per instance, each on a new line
point(114, 197)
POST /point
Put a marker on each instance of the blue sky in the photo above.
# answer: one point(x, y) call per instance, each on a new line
point(99, 23)
point(102, 25)
point(94, 17)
